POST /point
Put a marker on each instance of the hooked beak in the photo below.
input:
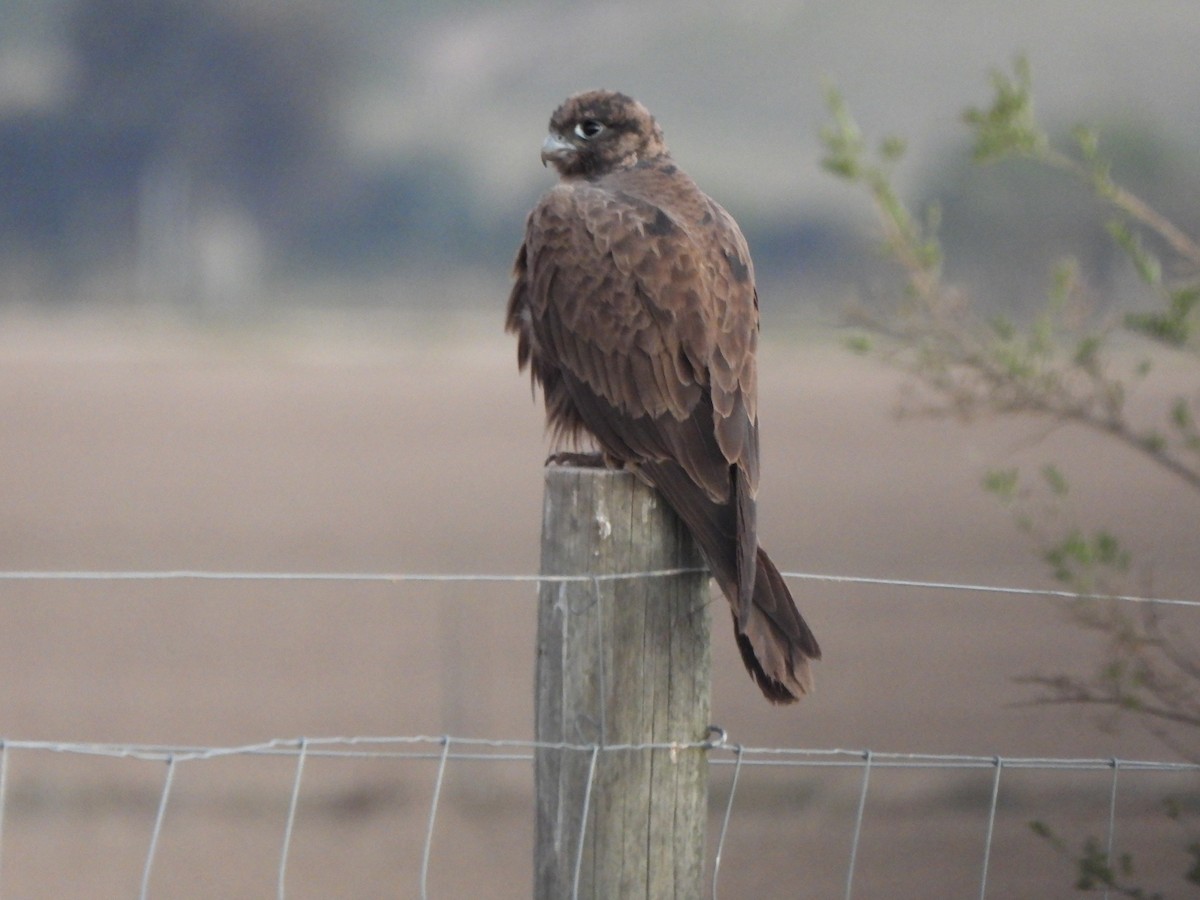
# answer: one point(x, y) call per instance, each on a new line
point(555, 148)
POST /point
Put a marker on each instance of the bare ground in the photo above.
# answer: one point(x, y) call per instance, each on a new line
point(339, 447)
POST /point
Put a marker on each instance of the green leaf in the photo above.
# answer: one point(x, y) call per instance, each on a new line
point(1002, 483)
point(1076, 557)
point(1041, 829)
point(1154, 442)
point(1063, 281)
point(842, 139)
point(1192, 875)
point(1107, 551)
point(929, 254)
point(1181, 415)
point(1094, 870)
point(1087, 353)
point(892, 148)
point(1088, 141)
point(933, 218)
point(1041, 338)
point(1008, 126)
point(1062, 557)
point(841, 166)
point(1148, 267)
point(1102, 180)
point(1154, 325)
point(859, 343)
point(1004, 328)
point(1184, 300)
point(1044, 831)
point(1174, 327)
point(1055, 480)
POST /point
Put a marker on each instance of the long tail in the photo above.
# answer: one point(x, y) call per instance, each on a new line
point(775, 642)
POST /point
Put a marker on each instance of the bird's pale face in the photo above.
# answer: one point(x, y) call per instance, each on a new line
point(597, 132)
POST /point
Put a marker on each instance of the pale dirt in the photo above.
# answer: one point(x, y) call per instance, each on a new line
point(343, 448)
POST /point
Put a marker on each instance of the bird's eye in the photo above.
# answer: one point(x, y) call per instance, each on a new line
point(588, 129)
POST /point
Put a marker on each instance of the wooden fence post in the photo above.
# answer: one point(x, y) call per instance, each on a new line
point(619, 661)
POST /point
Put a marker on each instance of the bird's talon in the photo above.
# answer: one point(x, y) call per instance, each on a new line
point(578, 460)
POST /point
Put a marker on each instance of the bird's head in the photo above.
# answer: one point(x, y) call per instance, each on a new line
point(597, 132)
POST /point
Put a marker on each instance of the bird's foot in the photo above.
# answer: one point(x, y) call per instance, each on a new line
point(579, 460)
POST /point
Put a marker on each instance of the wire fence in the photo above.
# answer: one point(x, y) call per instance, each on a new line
point(731, 761)
point(447, 749)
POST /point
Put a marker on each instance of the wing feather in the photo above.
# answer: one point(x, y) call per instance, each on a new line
point(625, 304)
point(643, 320)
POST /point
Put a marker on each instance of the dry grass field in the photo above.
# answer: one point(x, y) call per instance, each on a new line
point(342, 446)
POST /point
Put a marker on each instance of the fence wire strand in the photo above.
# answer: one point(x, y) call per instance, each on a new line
point(991, 828)
point(737, 771)
point(868, 756)
point(583, 820)
point(1112, 818)
point(158, 824)
point(427, 851)
point(416, 577)
point(3, 805)
point(291, 818)
point(402, 747)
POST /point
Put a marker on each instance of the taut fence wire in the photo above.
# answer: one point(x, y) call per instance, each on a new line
point(402, 577)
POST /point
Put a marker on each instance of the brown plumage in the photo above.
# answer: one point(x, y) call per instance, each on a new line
point(635, 309)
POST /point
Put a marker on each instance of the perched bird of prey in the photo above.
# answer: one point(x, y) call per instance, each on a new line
point(635, 309)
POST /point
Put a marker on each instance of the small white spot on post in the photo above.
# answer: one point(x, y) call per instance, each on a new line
point(603, 523)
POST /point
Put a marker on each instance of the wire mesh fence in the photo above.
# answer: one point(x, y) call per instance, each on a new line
point(449, 815)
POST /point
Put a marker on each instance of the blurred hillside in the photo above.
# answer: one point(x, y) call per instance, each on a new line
point(211, 153)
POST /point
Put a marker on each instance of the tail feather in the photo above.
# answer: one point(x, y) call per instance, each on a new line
point(775, 642)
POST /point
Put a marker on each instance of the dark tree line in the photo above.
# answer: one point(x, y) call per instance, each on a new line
point(239, 101)
point(177, 106)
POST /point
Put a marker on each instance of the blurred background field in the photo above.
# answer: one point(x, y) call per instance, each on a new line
point(253, 261)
